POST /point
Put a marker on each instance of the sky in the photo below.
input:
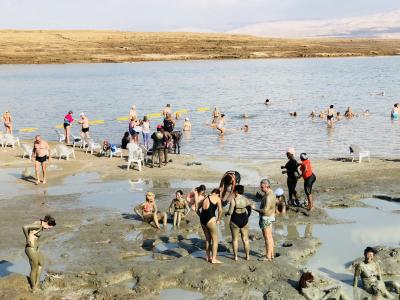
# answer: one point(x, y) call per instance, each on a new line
point(173, 15)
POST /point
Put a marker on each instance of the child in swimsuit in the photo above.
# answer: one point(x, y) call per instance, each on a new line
point(178, 208)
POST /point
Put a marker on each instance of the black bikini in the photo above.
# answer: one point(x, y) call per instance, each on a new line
point(207, 214)
point(241, 220)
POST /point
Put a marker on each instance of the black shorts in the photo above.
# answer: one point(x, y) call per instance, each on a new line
point(330, 117)
point(41, 159)
point(84, 130)
point(308, 184)
point(66, 125)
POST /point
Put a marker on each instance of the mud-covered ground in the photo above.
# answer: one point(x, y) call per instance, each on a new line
point(100, 250)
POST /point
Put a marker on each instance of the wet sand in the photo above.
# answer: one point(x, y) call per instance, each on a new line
point(100, 249)
point(80, 46)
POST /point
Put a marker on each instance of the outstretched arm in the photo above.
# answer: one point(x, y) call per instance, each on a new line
point(356, 275)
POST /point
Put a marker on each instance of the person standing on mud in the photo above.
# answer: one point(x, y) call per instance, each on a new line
point(40, 154)
point(209, 223)
point(84, 121)
point(240, 210)
point(292, 172)
point(309, 179)
point(159, 146)
point(267, 217)
point(32, 235)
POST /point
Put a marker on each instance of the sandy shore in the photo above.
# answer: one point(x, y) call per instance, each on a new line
point(101, 253)
point(79, 46)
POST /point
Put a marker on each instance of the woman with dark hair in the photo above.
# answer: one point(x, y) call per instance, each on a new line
point(330, 114)
point(32, 235)
point(311, 292)
point(206, 210)
point(291, 169)
point(195, 196)
point(229, 180)
point(67, 125)
point(125, 140)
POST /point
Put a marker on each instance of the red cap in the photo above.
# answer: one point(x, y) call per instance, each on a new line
point(159, 126)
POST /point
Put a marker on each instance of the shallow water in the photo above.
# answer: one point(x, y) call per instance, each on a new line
point(342, 243)
point(107, 91)
point(172, 294)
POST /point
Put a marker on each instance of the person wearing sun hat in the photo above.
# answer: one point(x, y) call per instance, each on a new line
point(291, 169)
point(187, 126)
point(149, 213)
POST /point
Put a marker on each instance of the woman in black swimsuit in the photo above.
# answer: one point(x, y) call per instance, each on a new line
point(240, 210)
point(206, 211)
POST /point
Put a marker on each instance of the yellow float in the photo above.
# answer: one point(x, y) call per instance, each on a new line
point(96, 122)
point(202, 109)
point(29, 129)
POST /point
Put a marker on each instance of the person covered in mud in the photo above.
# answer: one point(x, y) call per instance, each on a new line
point(178, 208)
point(149, 213)
point(267, 217)
point(240, 210)
point(209, 223)
point(32, 234)
point(280, 209)
point(195, 196)
point(371, 278)
point(308, 288)
point(349, 113)
point(309, 179)
point(40, 154)
point(291, 169)
point(228, 181)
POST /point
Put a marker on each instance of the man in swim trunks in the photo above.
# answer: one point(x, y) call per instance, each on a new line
point(32, 235)
point(267, 217)
point(229, 180)
point(167, 110)
point(329, 116)
point(40, 154)
point(221, 124)
point(84, 121)
point(371, 276)
point(7, 119)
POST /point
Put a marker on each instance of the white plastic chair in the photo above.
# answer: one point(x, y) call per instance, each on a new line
point(358, 152)
point(64, 151)
point(60, 136)
point(2, 139)
point(78, 141)
point(27, 150)
point(117, 151)
point(144, 150)
point(11, 140)
point(135, 155)
point(92, 146)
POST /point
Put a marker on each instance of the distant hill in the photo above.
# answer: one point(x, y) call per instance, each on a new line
point(385, 25)
point(85, 46)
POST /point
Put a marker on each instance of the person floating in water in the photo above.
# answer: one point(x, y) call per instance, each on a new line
point(40, 154)
point(239, 210)
point(209, 223)
point(309, 178)
point(267, 102)
point(371, 277)
point(178, 208)
point(32, 235)
point(228, 181)
point(267, 217)
point(149, 213)
point(395, 112)
point(293, 114)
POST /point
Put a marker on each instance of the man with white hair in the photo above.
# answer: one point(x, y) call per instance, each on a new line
point(84, 121)
point(267, 217)
point(40, 154)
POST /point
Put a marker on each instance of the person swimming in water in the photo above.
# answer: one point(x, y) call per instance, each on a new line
point(293, 114)
point(267, 102)
point(371, 277)
point(228, 181)
point(187, 126)
point(239, 210)
point(313, 115)
point(309, 179)
point(149, 213)
point(178, 208)
point(221, 124)
point(40, 154)
point(395, 112)
point(349, 113)
point(267, 217)
point(209, 223)
point(32, 234)
point(7, 120)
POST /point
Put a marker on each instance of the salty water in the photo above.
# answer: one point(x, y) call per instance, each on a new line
point(40, 95)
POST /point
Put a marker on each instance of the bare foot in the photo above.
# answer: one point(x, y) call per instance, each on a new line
point(37, 182)
point(44, 181)
point(215, 261)
point(264, 259)
point(247, 258)
point(235, 258)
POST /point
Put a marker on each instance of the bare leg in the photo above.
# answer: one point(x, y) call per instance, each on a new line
point(37, 172)
point(212, 227)
point(175, 218)
point(155, 218)
point(164, 217)
point(33, 257)
point(269, 242)
point(310, 202)
point(11, 129)
point(179, 219)
point(245, 238)
point(235, 238)
point(44, 172)
point(165, 155)
point(208, 242)
point(67, 131)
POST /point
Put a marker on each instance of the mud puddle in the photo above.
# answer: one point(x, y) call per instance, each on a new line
point(173, 294)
